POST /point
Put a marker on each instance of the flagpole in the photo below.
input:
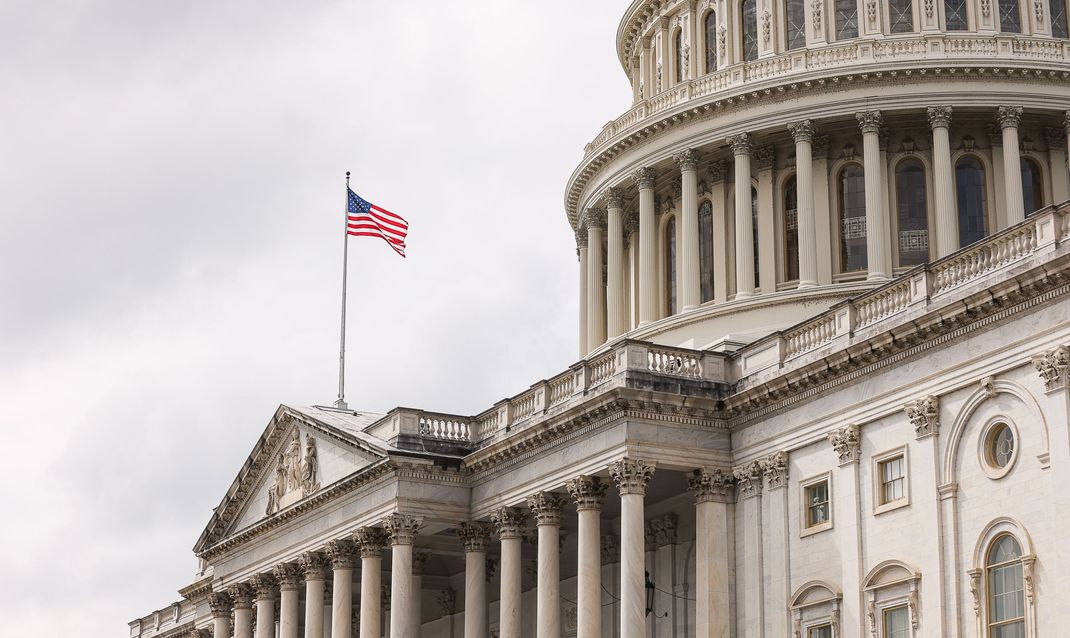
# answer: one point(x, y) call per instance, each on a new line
point(341, 402)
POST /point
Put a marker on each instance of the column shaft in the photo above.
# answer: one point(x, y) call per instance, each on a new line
point(947, 231)
point(510, 598)
point(220, 627)
point(1009, 118)
point(265, 617)
point(314, 589)
point(877, 252)
point(596, 292)
point(289, 610)
point(243, 622)
point(402, 624)
point(371, 585)
point(744, 220)
point(648, 249)
point(588, 494)
point(546, 507)
point(631, 477)
point(583, 296)
point(690, 291)
point(615, 320)
point(805, 220)
point(475, 594)
point(342, 603)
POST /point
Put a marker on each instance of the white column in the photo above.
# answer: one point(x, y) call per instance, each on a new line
point(713, 492)
point(822, 210)
point(266, 588)
point(475, 537)
point(775, 541)
point(596, 291)
point(221, 604)
point(546, 508)
point(803, 132)
point(242, 596)
point(693, 60)
point(1060, 178)
point(718, 173)
point(667, 64)
point(631, 477)
point(648, 248)
point(764, 160)
point(647, 62)
point(741, 148)
point(877, 249)
point(947, 226)
point(372, 542)
point(342, 554)
point(636, 76)
point(402, 529)
point(1009, 119)
point(581, 250)
point(749, 577)
point(690, 293)
point(419, 561)
point(588, 493)
point(847, 444)
point(615, 312)
point(289, 577)
point(509, 523)
point(315, 566)
point(631, 229)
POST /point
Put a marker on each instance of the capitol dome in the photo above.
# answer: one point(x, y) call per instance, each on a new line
point(780, 157)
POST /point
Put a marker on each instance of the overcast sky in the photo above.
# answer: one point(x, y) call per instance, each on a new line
point(171, 184)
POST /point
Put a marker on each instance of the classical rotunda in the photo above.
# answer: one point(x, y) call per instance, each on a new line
point(824, 377)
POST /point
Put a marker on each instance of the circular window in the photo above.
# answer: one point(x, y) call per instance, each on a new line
point(999, 448)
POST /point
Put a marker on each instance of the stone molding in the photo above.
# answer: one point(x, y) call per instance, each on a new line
point(711, 486)
point(802, 131)
point(740, 143)
point(221, 604)
point(924, 415)
point(775, 469)
point(1009, 116)
point(609, 549)
point(748, 480)
point(847, 442)
point(1053, 367)
point(644, 178)
point(764, 158)
point(546, 507)
point(315, 565)
point(631, 222)
point(475, 536)
point(687, 159)
point(242, 595)
point(402, 528)
point(342, 553)
point(588, 492)
point(631, 475)
point(371, 541)
point(939, 116)
point(869, 121)
point(265, 585)
point(509, 522)
point(288, 575)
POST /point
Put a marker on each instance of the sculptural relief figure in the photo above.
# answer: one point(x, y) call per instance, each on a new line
point(292, 459)
point(294, 473)
point(309, 467)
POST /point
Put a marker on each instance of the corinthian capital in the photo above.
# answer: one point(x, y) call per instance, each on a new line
point(242, 595)
point(847, 442)
point(939, 116)
point(314, 564)
point(265, 586)
point(596, 218)
point(869, 121)
point(509, 522)
point(924, 415)
point(342, 553)
point(371, 541)
point(402, 528)
point(220, 603)
point(546, 507)
point(631, 475)
point(775, 469)
point(802, 131)
point(587, 491)
point(741, 143)
point(474, 536)
point(710, 486)
point(687, 159)
point(1053, 367)
point(748, 479)
point(718, 171)
point(1009, 116)
point(288, 574)
point(644, 178)
point(614, 197)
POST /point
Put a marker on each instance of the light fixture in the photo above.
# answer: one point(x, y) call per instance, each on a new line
point(650, 597)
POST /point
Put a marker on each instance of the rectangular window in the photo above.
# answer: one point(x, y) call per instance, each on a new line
point(824, 631)
point(893, 480)
point(846, 19)
point(1057, 10)
point(897, 622)
point(891, 474)
point(1010, 20)
point(901, 13)
point(955, 15)
point(796, 15)
point(817, 504)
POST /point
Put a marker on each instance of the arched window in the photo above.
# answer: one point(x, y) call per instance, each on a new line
point(970, 191)
point(901, 15)
point(913, 205)
point(670, 264)
point(705, 249)
point(795, 18)
point(681, 55)
point(1010, 19)
point(754, 226)
point(1006, 589)
point(1057, 11)
point(711, 42)
point(1032, 186)
point(955, 15)
point(791, 229)
point(846, 19)
point(749, 15)
point(852, 218)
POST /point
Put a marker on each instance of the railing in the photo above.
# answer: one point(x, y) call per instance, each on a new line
point(996, 252)
point(444, 427)
point(603, 368)
point(810, 335)
point(883, 303)
point(682, 363)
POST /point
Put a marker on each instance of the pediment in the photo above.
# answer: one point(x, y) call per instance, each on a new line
point(302, 452)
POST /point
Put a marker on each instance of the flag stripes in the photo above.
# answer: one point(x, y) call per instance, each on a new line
point(365, 219)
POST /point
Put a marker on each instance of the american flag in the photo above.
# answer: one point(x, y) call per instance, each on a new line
point(368, 220)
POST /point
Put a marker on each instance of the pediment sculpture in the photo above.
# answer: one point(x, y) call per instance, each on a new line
point(295, 473)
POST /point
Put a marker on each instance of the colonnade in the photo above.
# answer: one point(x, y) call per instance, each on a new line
point(604, 301)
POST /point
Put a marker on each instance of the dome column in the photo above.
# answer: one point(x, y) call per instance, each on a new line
point(803, 132)
point(1009, 119)
point(631, 477)
point(509, 522)
point(878, 257)
point(1060, 184)
point(718, 174)
point(596, 291)
point(947, 237)
point(690, 292)
point(741, 148)
point(615, 262)
point(581, 251)
point(648, 248)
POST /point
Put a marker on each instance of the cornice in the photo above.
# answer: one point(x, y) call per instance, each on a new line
point(197, 590)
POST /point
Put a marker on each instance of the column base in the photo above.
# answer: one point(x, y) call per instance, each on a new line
point(744, 295)
point(687, 308)
point(806, 284)
point(877, 276)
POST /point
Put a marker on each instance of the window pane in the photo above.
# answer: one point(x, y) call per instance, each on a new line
point(1032, 186)
point(754, 227)
point(1002, 447)
point(796, 23)
point(897, 623)
point(1057, 9)
point(824, 631)
point(893, 483)
point(846, 19)
point(817, 500)
point(955, 14)
point(791, 229)
point(670, 266)
point(852, 218)
point(901, 13)
point(750, 30)
point(1004, 550)
point(970, 188)
point(913, 208)
point(705, 249)
point(711, 42)
point(1010, 21)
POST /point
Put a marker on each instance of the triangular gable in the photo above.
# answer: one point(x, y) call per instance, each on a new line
point(302, 451)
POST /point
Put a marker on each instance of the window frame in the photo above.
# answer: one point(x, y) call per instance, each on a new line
point(783, 245)
point(1022, 20)
point(788, 22)
point(1041, 182)
point(965, 12)
point(836, 22)
point(710, 46)
point(988, 582)
point(879, 460)
point(899, 606)
point(805, 529)
point(810, 629)
point(988, 430)
point(893, 188)
point(704, 277)
point(987, 186)
point(671, 264)
point(836, 173)
point(891, 21)
point(743, 31)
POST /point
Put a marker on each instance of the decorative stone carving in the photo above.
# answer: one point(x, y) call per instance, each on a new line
point(986, 8)
point(402, 528)
point(372, 541)
point(703, 188)
point(315, 565)
point(775, 469)
point(930, 6)
point(767, 26)
point(546, 507)
point(815, 13)
point(220, 603)
point(1038, 11)
point(710, 486)
point(988, 384)
point(447, 600)
point(614, 197)
point(631, 475)
point(848, 152)
point(1009, 116)
point(924, 415)
point(631, 223)
point(741, 143)
point(610, 549)
point(596, 218)
point(295, 475)
point(509, 522)
point(748, 479)
point(265, 586)
point(644, 178)
point(490, 567)
point(342, 553)
point(821, 147)
point(1055, 136)
point(581, 238)
point(241, 595)
point(802, 131)
point(869, 121)
point(722, 40)
point(677, 190)
point(718, 171)
point(660, 531)
point(686, 159)
point(847, 442)
point(588, 492)
point(474, 536)
point(871, 10)
point(975, 590)
point(764, 158)
point(939, 116)
point(288, 574)
point(1053, 367)
point(1066, 120)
